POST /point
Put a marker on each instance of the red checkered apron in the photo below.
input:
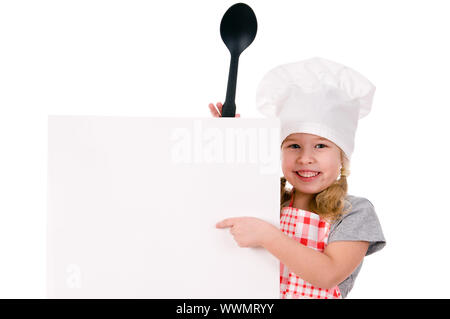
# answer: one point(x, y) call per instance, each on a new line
point(312, 231)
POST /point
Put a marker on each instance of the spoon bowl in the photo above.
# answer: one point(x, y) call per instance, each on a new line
point(238, 28)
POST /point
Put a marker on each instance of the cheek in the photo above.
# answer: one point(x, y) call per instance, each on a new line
point(287, 164)
point(329, 159)
point(331, 170)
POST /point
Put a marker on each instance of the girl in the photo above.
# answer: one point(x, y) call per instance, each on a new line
point(325, 233)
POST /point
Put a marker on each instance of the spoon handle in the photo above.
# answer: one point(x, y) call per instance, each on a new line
point(229, 106)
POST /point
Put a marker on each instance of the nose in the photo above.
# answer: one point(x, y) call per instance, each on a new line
point(304, 157)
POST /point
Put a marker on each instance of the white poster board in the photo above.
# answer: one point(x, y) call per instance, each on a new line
point(133, 203)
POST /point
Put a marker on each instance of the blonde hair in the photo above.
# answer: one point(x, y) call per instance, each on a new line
point(329, 203)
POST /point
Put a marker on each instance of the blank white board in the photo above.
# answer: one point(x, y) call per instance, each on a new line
point(133, 203)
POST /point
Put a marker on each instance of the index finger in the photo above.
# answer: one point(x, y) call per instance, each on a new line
point(228, 222)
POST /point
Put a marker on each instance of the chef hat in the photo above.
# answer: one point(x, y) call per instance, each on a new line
point(316, 96)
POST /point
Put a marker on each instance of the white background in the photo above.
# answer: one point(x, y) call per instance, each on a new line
point(148, 58)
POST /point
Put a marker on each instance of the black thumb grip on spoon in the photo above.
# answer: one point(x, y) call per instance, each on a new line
point(238, 30)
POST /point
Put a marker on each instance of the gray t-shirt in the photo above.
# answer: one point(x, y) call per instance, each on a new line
point(360, 224)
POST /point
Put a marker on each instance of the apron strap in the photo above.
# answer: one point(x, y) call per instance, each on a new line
point(292, 198)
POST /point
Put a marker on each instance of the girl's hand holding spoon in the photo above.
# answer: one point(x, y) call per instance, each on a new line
point(218, 112)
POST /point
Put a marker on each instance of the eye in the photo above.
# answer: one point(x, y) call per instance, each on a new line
point(292, 145)
point(323, 145)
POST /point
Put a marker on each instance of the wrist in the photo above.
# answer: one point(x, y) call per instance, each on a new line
point(271, 235)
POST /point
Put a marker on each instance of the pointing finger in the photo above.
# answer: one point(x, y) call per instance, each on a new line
point(229, 222)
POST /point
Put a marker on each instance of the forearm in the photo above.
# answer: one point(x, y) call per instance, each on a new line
point(312, 266)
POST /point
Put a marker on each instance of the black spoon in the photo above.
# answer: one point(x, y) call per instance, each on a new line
point(238, 30)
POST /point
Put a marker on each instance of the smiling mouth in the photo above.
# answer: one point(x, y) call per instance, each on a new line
point(308, 175)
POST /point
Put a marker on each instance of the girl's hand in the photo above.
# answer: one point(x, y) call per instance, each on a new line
point(216, 113)
point(249, 231)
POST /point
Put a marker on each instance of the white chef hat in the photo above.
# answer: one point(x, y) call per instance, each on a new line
point(316, 96)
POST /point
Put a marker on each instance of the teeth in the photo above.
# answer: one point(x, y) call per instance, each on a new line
point(307, 174)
